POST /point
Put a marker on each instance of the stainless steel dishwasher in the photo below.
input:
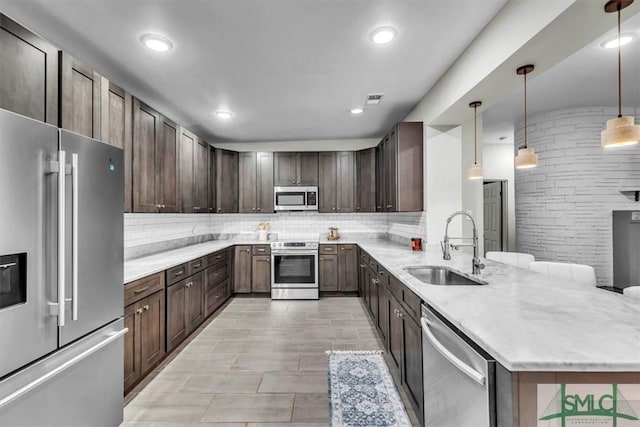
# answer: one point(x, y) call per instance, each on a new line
point(459, 378)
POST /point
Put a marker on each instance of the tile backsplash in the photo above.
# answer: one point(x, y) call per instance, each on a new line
point(147, 233)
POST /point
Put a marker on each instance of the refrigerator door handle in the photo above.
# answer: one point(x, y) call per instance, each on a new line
point(74, 235)
point(62, 157)
point(52, 373)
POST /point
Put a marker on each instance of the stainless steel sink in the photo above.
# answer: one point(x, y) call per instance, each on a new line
point(442, 276)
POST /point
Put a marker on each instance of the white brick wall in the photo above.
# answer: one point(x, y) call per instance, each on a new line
point(563, 206)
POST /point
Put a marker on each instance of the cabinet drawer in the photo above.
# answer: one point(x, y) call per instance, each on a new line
point(142, 288)
point(261, 250)
point(383, 275)
point(364, 258)
point(412, 303)
point(216, 274)
point(177, 273)
point(217, 257)
point(215, 297)
point(328, 249)
point(196, 265)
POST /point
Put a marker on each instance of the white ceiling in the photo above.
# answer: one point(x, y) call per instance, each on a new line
point(288, 69)
point(586, 78)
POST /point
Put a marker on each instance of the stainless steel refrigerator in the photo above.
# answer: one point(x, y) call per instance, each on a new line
point(626, 248)
point(61, 290)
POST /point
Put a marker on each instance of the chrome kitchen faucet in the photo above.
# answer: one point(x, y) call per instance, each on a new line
point(446, 253)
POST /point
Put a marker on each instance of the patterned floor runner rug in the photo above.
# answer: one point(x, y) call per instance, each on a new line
point(362, 392)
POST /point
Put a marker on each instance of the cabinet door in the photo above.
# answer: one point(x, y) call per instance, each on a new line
point(80, 97)
point(187, 146)
point(391, 179)
point(131, 346)
point(410, 164)
point(373, 296)
point(395, 333)
point(412, 362)
point(366, 180)
point(117, 111)
point(201, 177)
point(307, 168)
point(264, 183)
point(146, 122)
point(383, 313)
point(327, 182)
point(348, 268)
point(29, 70)
point(152, 336)
point(328, 273)
point(345, 182)
point(226, 181)
point(381, 197)
point(285, 169)
point(261, 273)
point(247, 183)
point(195, 301)
point(212, 179)
point(176, 314)
point(242, 269)
point(167, 166)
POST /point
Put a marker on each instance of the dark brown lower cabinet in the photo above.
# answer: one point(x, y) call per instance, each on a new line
point(261, 273)
point(405, 348)
point(348, 268)
point(242, 261)
point(185, 308)
point(176, 314)
point(328, 273)
point(144, 343)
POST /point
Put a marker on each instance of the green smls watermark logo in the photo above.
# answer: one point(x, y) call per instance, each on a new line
point(582, 407)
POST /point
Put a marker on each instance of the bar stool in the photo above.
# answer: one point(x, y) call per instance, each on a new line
point(577, 272)
point(632, 291)
point(517, 259)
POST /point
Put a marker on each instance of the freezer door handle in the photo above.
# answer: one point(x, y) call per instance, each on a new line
point(74, 235)
point(62, 157)
point(46, 377)
point(452, 358)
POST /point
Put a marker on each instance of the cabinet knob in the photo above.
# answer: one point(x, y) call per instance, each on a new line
point(210, 209)
point(248, 250)
point(389, 206)
point(298, 182)
point(146, 307)
point(357, 208)
point(334, 208)
point(219, 209)
point(139, 311)
point(188, 285)
point(293, 182)
point(321, 259)
point(338, 208)
point(258, 209)
point(253, 209)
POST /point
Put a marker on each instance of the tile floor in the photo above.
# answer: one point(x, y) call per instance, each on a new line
point(256, 363)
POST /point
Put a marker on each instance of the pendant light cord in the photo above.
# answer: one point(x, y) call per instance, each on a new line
point(619, 67)
point(475, 135)
point(525, 109)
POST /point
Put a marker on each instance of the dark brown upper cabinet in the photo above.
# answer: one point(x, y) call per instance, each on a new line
point(256, 182)
point(211, 178)
point(188, 142)
point(80, 97)
point(28, 73)
point(155, 166)
point(366, 180)
point(400, 169)
point(117, 129)
point(194, 175)
point(295, 168)
point(226, 181)
point(336, 182)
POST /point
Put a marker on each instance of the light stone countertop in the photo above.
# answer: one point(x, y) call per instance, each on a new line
point(526, 321)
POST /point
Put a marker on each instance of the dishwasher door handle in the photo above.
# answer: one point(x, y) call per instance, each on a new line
point(452, 358)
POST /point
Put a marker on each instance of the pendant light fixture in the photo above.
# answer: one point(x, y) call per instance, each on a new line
point(526, 157)
point(475, 171)
point(621, 130)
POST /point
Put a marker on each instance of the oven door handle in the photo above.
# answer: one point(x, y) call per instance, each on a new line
point(293, 252)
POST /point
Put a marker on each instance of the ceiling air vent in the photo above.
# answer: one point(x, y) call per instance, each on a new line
point(374, 98)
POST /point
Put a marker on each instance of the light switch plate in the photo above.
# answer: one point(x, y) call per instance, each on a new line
point(635, 216)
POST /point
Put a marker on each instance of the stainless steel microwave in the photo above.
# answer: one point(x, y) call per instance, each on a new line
point(295, 198)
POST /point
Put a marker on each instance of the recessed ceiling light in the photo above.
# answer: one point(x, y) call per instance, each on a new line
point(357, 110)
point(612, 42)
point(156, 42)
point(224, 114)
point(383, 35)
